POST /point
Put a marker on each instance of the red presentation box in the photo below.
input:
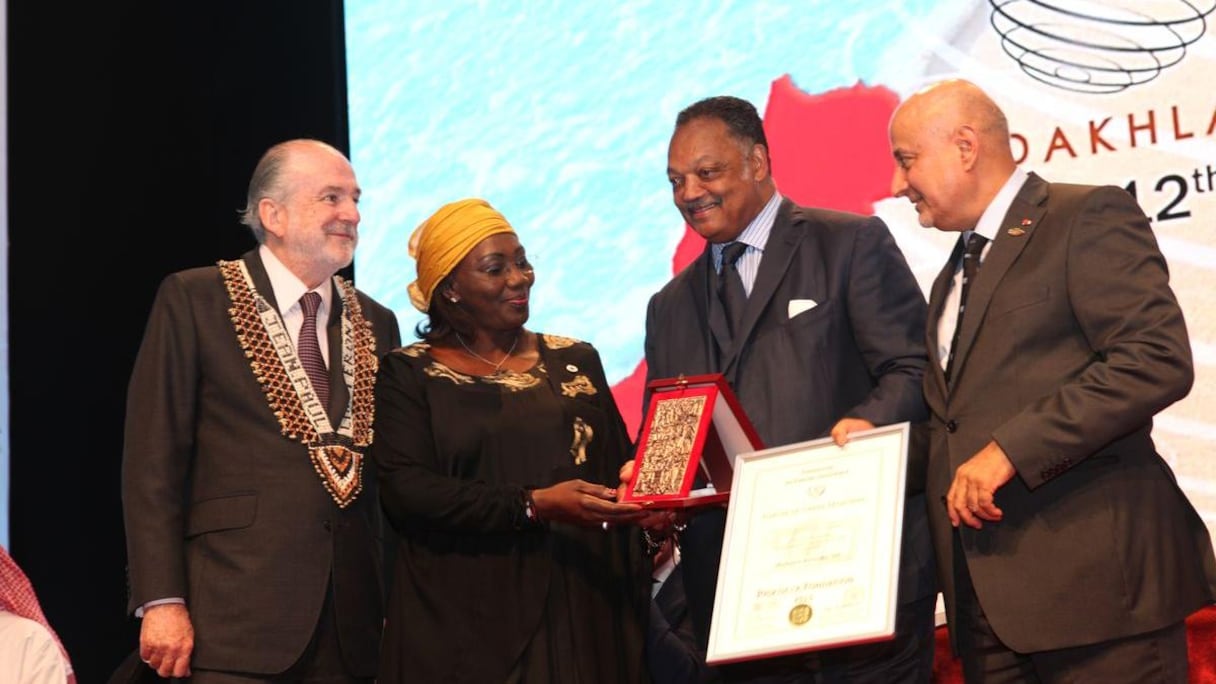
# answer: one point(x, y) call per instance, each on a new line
point(694, 424)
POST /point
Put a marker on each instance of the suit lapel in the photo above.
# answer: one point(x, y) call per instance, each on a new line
point(261, 281)
point(1016, 229)
point(937, 302)
point(709, 310)
point(778, 255)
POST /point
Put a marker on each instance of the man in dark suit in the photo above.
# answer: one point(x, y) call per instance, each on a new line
point(828, 341)
point(672, 654)
point(253, 528)
point(1067, 551)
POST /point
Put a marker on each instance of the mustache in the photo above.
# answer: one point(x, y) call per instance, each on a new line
point(343, 228)
point(692, 207)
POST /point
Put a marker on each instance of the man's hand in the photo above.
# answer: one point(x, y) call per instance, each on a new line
point(841, 430)
point(625, 473)
point(166, 640)
point(972, 494)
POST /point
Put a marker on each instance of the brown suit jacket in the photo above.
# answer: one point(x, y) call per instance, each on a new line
point(224, 510)
point(1072, 342)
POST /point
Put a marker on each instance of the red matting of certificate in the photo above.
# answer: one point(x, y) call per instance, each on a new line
point(693, 425)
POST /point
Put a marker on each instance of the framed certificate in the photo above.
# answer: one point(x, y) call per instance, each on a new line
point(694, 426)
point(810, 558)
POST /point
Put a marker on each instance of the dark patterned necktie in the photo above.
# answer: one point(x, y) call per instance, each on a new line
point(730, 285)
point(309, 349)
point(972, 250)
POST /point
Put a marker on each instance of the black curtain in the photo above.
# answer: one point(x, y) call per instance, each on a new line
point(133, 128)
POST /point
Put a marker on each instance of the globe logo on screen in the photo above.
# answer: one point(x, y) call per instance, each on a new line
point(1090, 47)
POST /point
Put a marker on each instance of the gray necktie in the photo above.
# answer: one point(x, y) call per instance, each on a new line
point(730, 285)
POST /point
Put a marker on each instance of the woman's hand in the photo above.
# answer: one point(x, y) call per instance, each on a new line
point(582, 503)
point(658, 524)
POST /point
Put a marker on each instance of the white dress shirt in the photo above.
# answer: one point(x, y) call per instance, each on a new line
point(988, 226)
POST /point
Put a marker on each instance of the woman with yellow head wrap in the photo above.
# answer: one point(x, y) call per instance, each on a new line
point(440, 242)
point(497, 457)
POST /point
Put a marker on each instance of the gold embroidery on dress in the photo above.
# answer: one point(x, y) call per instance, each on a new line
point(583, 434)
point(416, 350)
point(438, 370)
point(511, 380)
point(336, 457)
point(579, 385)
point(559, 342)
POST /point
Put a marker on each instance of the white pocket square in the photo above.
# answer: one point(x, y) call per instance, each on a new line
point(798, 306)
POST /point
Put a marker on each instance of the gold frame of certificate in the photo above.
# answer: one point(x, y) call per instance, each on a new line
point(810, 558)
point(693, 425)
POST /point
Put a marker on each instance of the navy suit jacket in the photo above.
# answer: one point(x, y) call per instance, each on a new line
point(672, 653)
point(1072, 342)
point(224, 510)
point(859, 352)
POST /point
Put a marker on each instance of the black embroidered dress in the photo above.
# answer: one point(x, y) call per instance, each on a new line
point(479, 593)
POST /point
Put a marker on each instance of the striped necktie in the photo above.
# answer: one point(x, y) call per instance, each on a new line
point(971, 264)
point(309, 349)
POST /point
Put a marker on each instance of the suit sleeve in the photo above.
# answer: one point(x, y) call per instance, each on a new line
point(887, 314)
point(159, 447)
point(649, 347)
point(1139, 352)
point(673, 654)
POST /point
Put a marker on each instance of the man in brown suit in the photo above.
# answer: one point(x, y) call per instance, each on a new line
point(1066, 550)
point(253, 527)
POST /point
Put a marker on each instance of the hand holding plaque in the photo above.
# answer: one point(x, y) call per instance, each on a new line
point(693, 429)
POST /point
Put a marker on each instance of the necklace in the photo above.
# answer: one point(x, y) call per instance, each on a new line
point(483, 359)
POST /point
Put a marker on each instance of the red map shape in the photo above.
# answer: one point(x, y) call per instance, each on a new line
point(827, 150)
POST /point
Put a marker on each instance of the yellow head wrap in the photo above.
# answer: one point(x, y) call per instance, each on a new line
point(443, 240)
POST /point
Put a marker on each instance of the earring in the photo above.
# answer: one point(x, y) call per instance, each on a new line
point(453, 300)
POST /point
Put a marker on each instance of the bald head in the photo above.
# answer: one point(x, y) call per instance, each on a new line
point(946, 105)
point(951, 147)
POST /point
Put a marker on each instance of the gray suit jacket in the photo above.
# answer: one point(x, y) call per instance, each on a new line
point(858, 352)
point(1072, 342)
point(224, 510)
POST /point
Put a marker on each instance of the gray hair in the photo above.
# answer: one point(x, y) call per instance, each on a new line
point(267, 181)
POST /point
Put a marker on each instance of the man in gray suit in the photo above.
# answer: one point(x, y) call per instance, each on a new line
point(1067, 551)
point(253, 528)
point(829, 340)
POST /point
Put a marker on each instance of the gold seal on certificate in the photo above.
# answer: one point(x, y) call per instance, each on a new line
point(800, 614)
